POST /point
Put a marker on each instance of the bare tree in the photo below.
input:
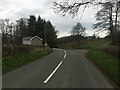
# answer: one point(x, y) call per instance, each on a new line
point(78, 29)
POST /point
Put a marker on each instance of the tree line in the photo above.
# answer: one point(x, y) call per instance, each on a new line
point(13, 33)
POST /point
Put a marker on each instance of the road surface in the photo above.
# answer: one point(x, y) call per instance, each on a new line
point(60, 69)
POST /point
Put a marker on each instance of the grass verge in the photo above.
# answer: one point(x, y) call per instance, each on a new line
point(14, 62)
point(108, 63)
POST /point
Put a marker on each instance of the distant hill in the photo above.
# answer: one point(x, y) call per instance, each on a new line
point(68, 39)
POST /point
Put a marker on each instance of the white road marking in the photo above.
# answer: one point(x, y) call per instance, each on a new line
point(64, 51)
point(55, 68)
point(52, 73)
point(65, 56)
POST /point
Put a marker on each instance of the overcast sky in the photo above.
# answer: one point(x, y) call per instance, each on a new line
point(15, 9)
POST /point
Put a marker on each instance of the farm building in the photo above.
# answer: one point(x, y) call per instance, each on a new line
point(37, 41)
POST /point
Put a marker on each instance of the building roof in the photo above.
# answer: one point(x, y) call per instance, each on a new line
point(31, 38)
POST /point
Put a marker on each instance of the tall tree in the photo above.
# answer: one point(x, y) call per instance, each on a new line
point(21, 30)
point(43, 29)
point(31, 25)
point(51, 36)
point(29, 28)
point(106, 19)
point(39, 27)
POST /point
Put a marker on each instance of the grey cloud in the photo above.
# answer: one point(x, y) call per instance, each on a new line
point(26, 12)
point(63, 24)
point(88, 25)
point(66, 23)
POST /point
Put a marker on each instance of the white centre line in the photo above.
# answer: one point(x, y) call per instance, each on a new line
point(64, 51)
point(52, 73)
point(65, 56)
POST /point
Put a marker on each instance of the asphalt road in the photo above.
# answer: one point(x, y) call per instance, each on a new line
point(60, 69)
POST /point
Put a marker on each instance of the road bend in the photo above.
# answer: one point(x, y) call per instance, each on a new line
point(60, 69)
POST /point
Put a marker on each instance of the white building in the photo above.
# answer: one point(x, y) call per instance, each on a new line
point(37, 41)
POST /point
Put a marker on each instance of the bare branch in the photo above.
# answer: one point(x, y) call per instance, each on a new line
point(66, 8)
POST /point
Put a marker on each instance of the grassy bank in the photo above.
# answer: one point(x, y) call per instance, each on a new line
point(85, 44)
point(14, 62)
point(95, 44)
point(108, 63)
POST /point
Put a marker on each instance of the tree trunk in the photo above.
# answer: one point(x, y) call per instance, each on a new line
point(116, 16)
point(111, 25)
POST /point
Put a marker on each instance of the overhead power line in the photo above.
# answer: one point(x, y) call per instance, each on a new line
point(82, 13)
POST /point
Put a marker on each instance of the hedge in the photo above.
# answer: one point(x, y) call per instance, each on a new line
point(16, 49)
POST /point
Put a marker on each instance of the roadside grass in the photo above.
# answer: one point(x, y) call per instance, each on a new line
point(14, 62)
point(108, 63)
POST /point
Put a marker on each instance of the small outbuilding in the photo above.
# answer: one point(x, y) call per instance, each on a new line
point(37, 41)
